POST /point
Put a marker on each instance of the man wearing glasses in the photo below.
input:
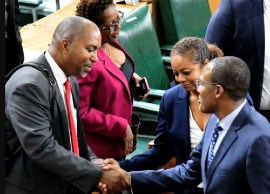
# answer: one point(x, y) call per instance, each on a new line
point(233, 156)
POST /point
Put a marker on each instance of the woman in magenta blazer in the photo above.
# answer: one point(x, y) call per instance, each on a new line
point(106, 93)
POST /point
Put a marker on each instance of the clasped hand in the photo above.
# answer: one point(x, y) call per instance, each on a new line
point(114, 180)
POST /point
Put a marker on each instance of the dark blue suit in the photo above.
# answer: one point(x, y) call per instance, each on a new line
point(237, 27)
point(241, 164)
point(173, 134)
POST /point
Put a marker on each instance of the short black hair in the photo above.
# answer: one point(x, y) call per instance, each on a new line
point(233, 74)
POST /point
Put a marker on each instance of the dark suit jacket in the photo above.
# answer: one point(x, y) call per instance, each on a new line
point(37, 138)
point(13, 43)
point(173, 134)
point(237, 27)
point(241, 164)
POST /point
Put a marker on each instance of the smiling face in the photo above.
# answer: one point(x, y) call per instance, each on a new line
point(82, 51)
point(185, 72)
point(110, 17)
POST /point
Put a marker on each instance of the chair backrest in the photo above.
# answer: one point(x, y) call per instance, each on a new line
point(183, 18)
point(48, 7)
point(138, 36)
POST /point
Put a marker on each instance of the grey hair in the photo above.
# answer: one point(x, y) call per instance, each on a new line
point(70, 28)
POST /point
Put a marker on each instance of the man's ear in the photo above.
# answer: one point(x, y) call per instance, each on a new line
point(219, 91)
point(64, 45)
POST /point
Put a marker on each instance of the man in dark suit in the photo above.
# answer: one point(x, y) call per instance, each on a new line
point(238, 160)
point(241, 28)
point(40, 157)
point(14, 55)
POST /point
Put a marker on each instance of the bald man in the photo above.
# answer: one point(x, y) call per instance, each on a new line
point(40, 157)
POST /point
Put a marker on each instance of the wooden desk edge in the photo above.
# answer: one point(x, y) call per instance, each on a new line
point(37, 35)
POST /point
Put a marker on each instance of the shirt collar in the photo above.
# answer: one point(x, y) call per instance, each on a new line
point(226, 122)
point(58, 73)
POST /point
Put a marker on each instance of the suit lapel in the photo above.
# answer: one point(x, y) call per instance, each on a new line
point(115, 71)
point(62, 109)
point(206, 141)
point(74, 92)
point(183, 110)
point(227, 142)
point(60, 103)
point(80, 133)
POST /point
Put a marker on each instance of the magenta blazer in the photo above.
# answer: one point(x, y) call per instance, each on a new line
point(106, 106)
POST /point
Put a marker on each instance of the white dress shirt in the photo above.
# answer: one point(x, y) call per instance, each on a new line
point(226, 123)
point(61, 78)
point(265, 99)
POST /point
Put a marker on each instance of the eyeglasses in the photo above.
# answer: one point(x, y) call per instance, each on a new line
point(115, 24)
point(200, 83)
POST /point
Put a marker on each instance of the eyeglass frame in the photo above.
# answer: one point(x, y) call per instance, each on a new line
point(198, 83)
point(113, 26)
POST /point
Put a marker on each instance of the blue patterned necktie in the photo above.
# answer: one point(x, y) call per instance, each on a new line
point(213, 143)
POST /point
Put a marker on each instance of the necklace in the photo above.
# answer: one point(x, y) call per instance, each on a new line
point(115, 60)
point(107, 46)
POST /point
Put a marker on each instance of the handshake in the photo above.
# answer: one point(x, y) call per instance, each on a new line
point(113, 180)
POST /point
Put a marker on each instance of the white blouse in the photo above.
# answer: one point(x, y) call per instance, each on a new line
point(195, 132)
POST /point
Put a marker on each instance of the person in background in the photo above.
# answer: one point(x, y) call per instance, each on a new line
point(106, 93)
point(233, 155)
point(180, 122)
point(215, 51)
point(14, 55)
point(241, 28)
point(45, 147)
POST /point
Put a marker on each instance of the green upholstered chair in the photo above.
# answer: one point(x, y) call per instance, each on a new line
point(48, 7)
point(138, 36)
point(183, 18)
point(39, 8)
point(29, 7)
